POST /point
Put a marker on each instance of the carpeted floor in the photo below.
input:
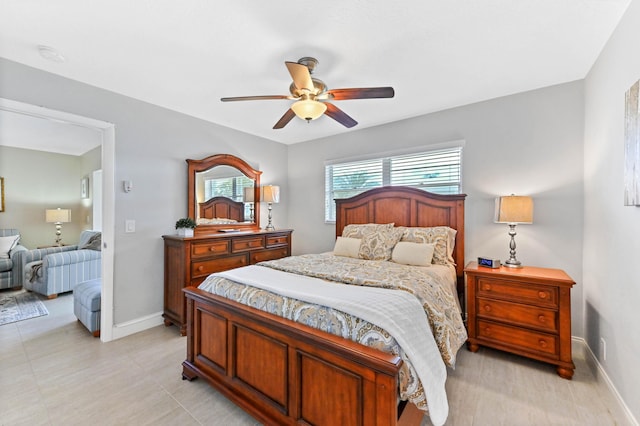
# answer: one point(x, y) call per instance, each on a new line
point(20, 306)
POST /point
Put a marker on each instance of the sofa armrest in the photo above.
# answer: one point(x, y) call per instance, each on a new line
point(69, 257)
point(17, 270)
point(39, 254)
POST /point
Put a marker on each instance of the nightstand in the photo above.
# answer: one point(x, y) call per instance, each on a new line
point(525, 311)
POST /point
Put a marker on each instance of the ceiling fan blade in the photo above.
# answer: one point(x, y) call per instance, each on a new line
point(286, 118)
point(301, 76)
point(256, 98)
point(359, 93)
point(339, 115)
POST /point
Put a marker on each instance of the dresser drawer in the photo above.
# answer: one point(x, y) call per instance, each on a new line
point(528, 340)
point(277, 240)
point(210, 248)
point(538, 295)
point(250, 243)
point(525, 315)
point(262, 255)
point(206, 267)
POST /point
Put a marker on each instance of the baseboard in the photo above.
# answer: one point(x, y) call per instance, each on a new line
point(595, 366)
point(137, 325)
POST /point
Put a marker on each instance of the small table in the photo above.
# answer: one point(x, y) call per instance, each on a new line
point(525, 311)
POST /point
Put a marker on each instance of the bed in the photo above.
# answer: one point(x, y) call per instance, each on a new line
point(285, 372)
point(220, 210)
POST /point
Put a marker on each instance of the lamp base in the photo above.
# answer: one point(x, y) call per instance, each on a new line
point(512, 263)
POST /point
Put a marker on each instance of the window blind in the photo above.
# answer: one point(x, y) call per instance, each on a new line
point(437, 171)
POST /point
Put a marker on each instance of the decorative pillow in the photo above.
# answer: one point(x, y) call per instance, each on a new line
point(6, 244)
point(442, 237)
point(378, 245)
point(94, 243)
point(360, 230)
point(416, 254)
point(347, 247)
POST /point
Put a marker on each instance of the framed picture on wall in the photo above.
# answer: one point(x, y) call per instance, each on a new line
point(1, 194)
point(84, 187)
point(632, 146)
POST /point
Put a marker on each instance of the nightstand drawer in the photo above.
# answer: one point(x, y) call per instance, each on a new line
point(210, 248)
point(207, 267)
point(242, 244)
point(525, 315)
point(538, 295)
point(529, 340)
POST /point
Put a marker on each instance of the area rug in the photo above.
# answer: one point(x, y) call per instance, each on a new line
point(19, 307)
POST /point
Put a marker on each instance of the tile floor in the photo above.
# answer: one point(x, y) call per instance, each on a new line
point(53, 372)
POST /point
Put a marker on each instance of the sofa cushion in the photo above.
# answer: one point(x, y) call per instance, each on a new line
point(6, 244)
point(85, 236)
point(94, 243)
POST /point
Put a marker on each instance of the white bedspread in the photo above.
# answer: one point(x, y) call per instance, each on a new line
point(392, 310)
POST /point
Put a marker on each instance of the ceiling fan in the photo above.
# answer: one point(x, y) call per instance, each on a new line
point(311, 95)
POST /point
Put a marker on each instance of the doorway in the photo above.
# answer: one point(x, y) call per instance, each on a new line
point(107, 132)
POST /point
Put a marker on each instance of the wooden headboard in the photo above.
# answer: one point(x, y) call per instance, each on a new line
point(222, 207)
point(407, 206)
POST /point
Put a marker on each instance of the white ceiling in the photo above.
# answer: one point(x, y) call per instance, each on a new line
point(185, 55)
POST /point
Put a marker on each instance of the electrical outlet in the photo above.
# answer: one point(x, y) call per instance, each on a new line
point(603, 349)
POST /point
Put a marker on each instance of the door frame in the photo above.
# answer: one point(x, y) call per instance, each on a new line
point(108, 196)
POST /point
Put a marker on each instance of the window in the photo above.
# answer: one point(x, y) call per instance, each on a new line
point(230, 187)
point(435, 171)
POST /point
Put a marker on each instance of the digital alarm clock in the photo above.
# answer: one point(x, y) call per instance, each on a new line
point(488, 262)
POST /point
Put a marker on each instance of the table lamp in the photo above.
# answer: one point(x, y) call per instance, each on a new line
point(512, 210)
point(58, 216)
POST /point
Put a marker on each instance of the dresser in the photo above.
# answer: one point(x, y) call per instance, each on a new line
point(188, 261)
point(525, 311)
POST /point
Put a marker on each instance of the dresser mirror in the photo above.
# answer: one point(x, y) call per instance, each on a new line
point(223, 194)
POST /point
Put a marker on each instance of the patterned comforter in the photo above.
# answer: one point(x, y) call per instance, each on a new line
point(433, 286)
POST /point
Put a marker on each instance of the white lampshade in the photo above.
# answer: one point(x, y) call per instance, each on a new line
point(58, 215)
point(514, 209)
point(270, 194)
point(308, 109)
point(248, 194)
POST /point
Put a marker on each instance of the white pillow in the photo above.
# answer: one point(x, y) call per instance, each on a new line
point(347, 247)
point(417, 254)
point(6, 244)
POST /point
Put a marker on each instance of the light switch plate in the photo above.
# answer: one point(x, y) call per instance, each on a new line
point(130, 225)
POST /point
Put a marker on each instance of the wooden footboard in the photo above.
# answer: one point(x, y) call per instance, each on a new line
point(282, 372)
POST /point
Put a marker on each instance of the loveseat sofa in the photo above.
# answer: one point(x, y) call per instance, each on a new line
point(55, 270)
point(11, 271)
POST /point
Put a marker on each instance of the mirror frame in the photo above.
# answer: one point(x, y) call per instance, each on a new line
point(196, 166)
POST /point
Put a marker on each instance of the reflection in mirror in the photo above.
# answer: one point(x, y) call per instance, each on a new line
point(227, 186)
point(223, 193)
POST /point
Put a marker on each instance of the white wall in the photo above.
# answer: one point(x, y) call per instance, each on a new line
point(527, 144)
point(612, 231)
point(35, 181)
point(151, 146)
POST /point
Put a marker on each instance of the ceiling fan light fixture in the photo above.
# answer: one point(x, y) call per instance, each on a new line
point(308, 109)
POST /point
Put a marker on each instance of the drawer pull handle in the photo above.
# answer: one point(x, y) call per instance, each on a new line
point(486, 287)
point(212, 249)
point(487, 331)
point(201, 268)
point(487, 308)
point(542, 294)
point(542, 318)
point(543, 343)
